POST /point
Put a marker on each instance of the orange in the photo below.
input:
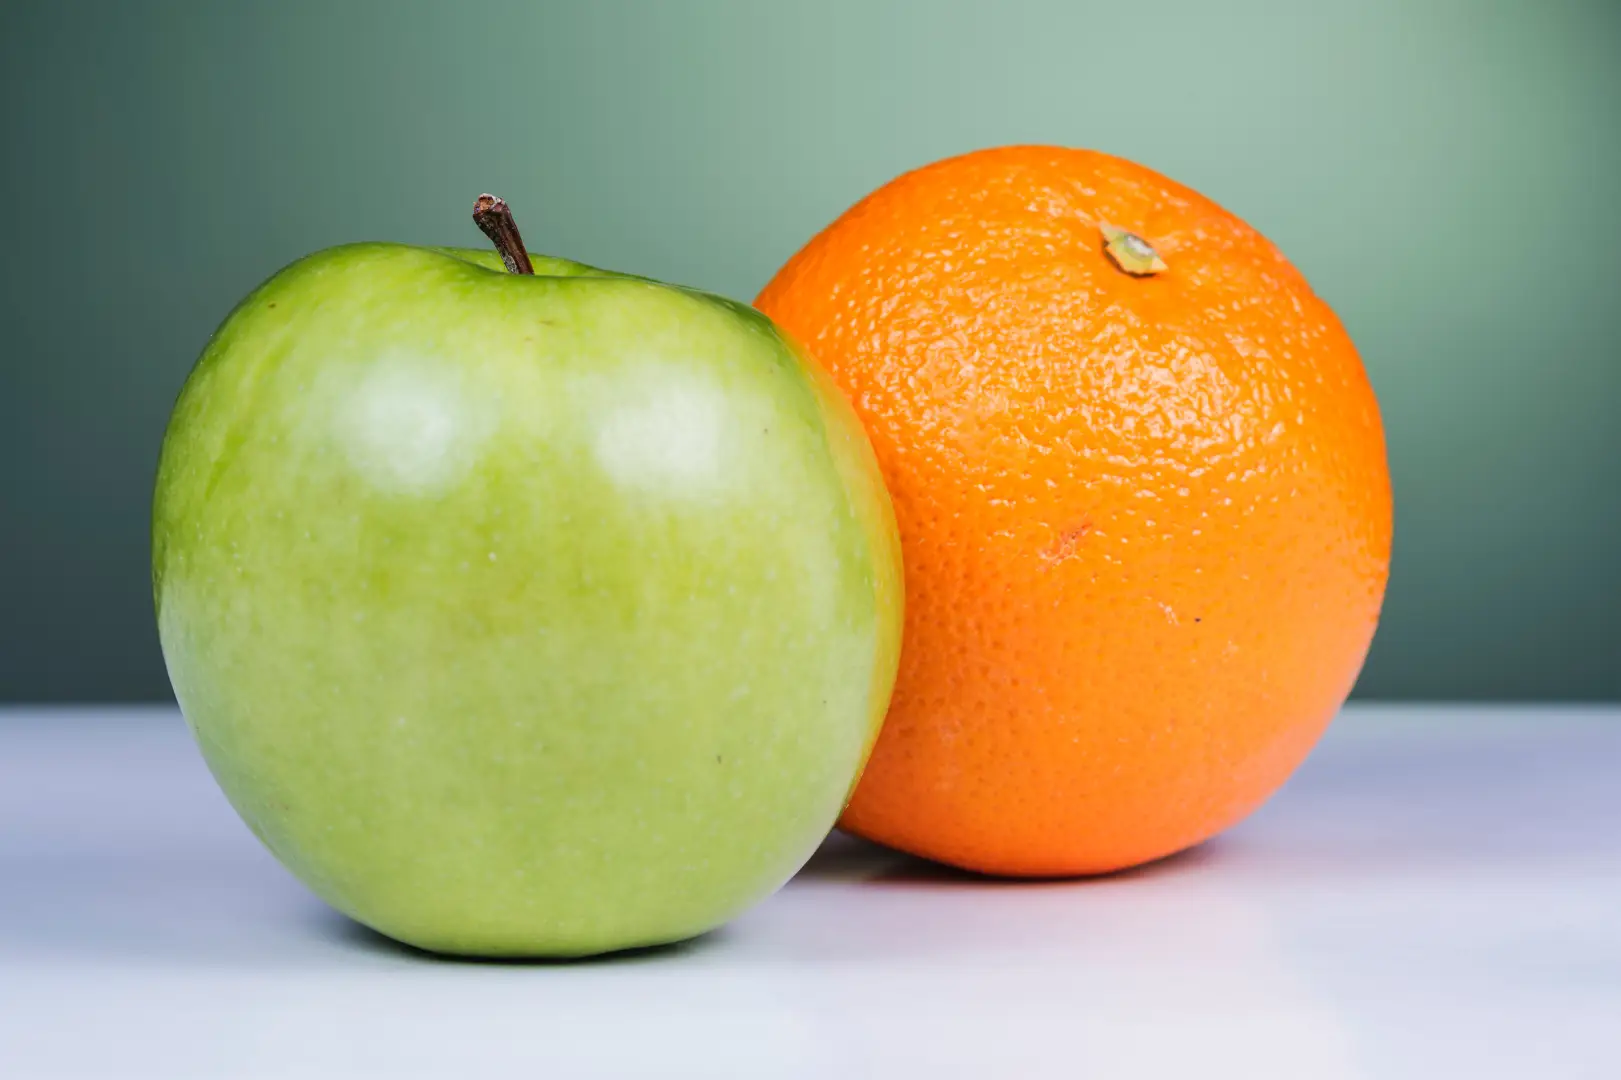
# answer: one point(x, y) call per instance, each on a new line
point(1146, 517)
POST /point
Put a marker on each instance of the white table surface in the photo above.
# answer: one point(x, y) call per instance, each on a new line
point(1437, 894)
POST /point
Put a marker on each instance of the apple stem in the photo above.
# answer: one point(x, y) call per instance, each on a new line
point(494, 218)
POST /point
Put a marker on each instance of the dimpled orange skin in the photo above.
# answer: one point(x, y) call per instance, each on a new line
point(1146, 520)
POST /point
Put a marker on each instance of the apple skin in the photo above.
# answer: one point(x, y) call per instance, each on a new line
point(523, 616)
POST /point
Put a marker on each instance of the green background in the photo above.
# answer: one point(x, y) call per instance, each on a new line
point(1448, 175)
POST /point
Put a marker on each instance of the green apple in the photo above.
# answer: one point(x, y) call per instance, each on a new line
point(523, 614)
